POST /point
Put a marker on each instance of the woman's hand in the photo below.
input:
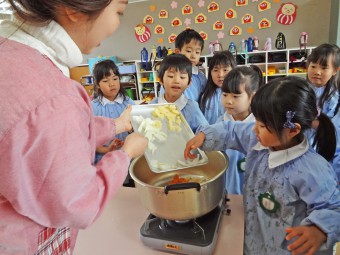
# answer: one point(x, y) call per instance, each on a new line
point(123, 122)
point(193, 144)
point(135, 145)
point(308, 239)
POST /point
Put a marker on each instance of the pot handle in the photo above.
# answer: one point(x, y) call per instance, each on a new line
point(188, 185)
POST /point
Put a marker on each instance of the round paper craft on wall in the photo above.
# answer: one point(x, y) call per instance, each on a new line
point(286, 14)
point(142, 33)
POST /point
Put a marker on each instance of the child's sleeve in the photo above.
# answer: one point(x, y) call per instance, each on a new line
point(228, 135)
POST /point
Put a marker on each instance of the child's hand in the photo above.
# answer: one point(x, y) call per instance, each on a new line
point(115, 145)
point(308, 239)
point(193, 144)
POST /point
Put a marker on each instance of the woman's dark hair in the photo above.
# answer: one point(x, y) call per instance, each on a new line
point(320, 55)
point(177, 61)
point(272, 102)
point(241, 75)
point(44, 11)
point(223, 58)
point(186, 36)
point(101, 70)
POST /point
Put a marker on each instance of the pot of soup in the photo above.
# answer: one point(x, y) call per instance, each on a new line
point(181, 194)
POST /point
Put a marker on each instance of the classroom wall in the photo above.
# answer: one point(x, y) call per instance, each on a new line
point(313, 17)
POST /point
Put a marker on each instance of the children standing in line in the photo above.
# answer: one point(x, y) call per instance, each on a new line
point(238, 89)
point(109, 100)
point(323, 74)
point(175, 76)
point(288, 207)
point(210, 99)
point(190, 43)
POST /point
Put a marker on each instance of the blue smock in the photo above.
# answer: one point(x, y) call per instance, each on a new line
point(214, 108)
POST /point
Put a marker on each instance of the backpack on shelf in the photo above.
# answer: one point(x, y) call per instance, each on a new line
point(280, 42)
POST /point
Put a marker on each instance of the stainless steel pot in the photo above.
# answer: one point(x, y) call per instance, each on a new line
point(181, 201)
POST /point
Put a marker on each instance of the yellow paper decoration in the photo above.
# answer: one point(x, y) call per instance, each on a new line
point(176, 22)
point(187, 9)
point(263, 6)
point(200, 18)
point(264, 23)
point(172, 38)
point(148, 19)
point(230, 14)
point(235, 30)
point(159, 30)
point(204, 35)
point(163, 14)
point(213, 7)
point(218, 25)
point(247, 18)
point(241, 2)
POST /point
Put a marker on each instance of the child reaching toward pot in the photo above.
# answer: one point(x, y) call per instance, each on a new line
point(210, 99)
point(175, 76)
point(288, 207)
point(109, 100)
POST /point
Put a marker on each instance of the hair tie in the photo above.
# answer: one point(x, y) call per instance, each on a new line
point(289, 124)
point(319, 111)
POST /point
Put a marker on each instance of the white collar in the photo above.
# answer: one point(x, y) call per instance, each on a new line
point(50, 40)
point(249, 118)
point(195, 70)
point(277, 158)
point(119, 99)
point(180, 102)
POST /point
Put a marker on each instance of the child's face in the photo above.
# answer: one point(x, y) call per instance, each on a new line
point(192, 51)
point(271, 139)
point(218, 73)
point(174, 82)
point(237, 105)
point(110, 86)
point(319, 75)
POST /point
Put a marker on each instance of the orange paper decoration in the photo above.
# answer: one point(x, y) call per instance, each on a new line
point(152, 7)
point(160, 40)
point(250, 30)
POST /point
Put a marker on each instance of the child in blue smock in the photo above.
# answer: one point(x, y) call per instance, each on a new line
point(323, 74)
point(109, 100)
point(291, 193)
point(238, 89)
point(210, 99)
point(336, 160)
point(190, 43)
point(175, 76)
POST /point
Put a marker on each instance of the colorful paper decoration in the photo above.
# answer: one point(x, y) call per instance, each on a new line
point(286, 15)
point(220, 35)
point(142, 33)
point(160, 40)
point(230, 14)
point(263, 6)
point(241, 2)
point(213, 7)
point(159, 30)
point(204, 35)
point(187, 9)
point(235, 30)
point(172, 38)
point(176, 22)
point(218, 25)
point(163, 14)
point(250, 30)
point(152, 7)
point(264, 23)
point(247, 18)
point(200, 18)
point(148, 19)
